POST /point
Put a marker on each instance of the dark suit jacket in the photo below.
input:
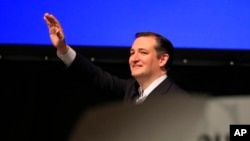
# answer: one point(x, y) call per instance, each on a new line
point(122, 88)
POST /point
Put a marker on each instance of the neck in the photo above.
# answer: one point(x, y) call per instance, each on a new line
point(144, 82)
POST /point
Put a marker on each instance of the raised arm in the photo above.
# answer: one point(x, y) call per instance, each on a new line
point(56, 33)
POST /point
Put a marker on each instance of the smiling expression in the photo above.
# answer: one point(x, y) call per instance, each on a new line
point(143, 59)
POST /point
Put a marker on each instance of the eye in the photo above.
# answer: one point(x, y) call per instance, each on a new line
point(132, 52)
point(144, 52)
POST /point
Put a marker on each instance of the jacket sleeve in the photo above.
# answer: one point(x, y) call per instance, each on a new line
point(100, 79)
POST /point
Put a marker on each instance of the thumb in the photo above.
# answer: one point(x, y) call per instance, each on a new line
point(60, 34)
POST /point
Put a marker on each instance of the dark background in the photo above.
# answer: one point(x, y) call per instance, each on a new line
point(42, 102)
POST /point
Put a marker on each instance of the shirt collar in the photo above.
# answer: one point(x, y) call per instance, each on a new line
point(151, 87)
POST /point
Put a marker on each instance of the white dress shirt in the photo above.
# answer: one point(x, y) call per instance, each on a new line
point(68, 57)
point(144, 94)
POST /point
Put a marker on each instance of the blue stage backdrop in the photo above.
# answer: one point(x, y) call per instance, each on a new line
point(189, 24)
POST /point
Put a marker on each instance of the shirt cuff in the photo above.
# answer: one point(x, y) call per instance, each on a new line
point(68, 57)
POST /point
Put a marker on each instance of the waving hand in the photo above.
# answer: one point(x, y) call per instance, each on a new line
point(56, 33)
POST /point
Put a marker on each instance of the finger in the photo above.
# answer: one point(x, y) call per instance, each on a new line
point(51, 20)
point(54, 20)
point(48, 20)
point(59, 35)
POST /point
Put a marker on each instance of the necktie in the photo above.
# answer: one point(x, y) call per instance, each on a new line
point(141, 98)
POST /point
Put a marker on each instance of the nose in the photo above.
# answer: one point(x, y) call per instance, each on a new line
point(135, 57)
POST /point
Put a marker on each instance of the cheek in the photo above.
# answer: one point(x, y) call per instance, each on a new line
point(153, 63)
point(129, 60)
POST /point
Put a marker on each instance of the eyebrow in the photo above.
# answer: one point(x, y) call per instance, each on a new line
point(140, 49)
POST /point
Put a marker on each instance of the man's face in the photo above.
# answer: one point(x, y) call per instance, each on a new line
point(143, 59)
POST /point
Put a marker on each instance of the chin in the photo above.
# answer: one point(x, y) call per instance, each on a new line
point(136, 74)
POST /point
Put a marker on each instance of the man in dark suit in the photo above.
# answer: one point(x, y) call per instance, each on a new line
point(150, 58)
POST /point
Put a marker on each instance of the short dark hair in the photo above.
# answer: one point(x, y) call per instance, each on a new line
point(163, 46)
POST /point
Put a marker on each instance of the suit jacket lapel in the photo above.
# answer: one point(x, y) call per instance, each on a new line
point(162, 88)
point(131, 93)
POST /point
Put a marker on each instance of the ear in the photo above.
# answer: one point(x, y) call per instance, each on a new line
point(163, 60)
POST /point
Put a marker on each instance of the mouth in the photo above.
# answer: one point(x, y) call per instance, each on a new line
point(136, 66)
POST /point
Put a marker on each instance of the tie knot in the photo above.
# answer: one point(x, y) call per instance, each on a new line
point(140, 92)
point(141, 98)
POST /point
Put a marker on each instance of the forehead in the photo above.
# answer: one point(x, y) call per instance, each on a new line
point(147, 42)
